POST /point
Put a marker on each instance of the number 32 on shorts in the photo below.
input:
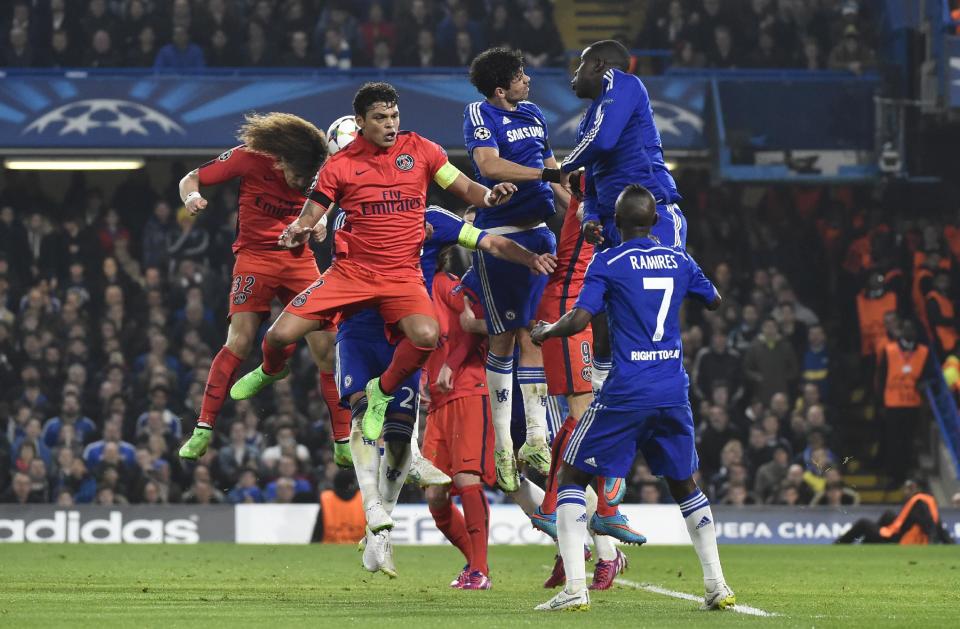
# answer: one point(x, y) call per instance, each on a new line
point(242, 288)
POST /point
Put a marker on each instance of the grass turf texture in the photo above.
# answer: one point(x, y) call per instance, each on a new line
point(217, 585)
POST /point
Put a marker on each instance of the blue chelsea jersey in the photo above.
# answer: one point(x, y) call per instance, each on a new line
point(619, 144)
point(641, 284)
point(520, 136)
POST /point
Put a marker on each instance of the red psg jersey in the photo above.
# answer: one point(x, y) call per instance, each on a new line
point(384, 194)
point(573, 256)
point(267, 203)
point(470, 378)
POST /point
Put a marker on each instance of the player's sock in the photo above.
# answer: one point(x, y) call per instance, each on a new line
point(407, 358)
point(549, 504)
point(571, 529)
point(476, 512)
point(699, 518)
point(396, 461)
point(500, 385)
point(223, 370)
point(366, 457)
point(601, 368)
point(450, 522)
point(275, 358)
point(604, 508)
point(529, 496)
point(339, 416)
point(533, 387)
point(415, 437)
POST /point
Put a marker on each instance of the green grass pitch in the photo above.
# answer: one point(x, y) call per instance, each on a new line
point(213, 585)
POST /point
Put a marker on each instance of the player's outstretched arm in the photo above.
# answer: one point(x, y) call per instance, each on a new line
point(492, 166)
point(479, 195)
point(313, 215)
point(190, 192)
point(569, 324)
point(504, 248)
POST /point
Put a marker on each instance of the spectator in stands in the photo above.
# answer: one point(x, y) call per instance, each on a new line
point(19, 53)
point(458, 21)
point(284, 491)
point(712, 437)
point(539, 39)
point(287, 470)
point(941, 315)
point(835, 494)
point(246, 489)
point(221, 51)
point(336, 16)
point(424, 53)
point(97, 18)
point(70, 414)
point(723, 54)
point(20, 491)
point(795, 479)
point(237, 456)
point(336, 51)
point(810, 57)
point(181, 54)
point(374, 30)
point(716, 363)
point(298, 54)
point(202, 493)
point(767, 53)
point(101, 53)
point(770, 364)
point(190, 242)
point(770, 475)
point(499, 30)
point(851, 54)
point(382, 57)
point(112, 433)
point(464, 51)
point(257, 52)
point(286, 443)
point(742, 337)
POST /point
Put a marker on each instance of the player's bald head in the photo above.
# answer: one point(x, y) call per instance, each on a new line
point(636, 209)
point(612, 53)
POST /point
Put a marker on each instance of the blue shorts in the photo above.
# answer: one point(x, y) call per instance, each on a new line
point(510, 293)
point(357, 361)
point(606, 440)
point(670, 230)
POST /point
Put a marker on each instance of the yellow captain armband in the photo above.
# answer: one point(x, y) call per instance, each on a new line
point(447, 174)
point(469, 236)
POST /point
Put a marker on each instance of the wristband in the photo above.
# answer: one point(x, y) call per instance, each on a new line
point(323, 220)
point(488, 198)
point(551, 175)
point(190, 197)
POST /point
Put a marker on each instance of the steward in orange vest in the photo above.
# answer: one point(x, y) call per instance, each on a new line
point(941, 315)
point(917, 523)
point(873, 303)
point(341, 519)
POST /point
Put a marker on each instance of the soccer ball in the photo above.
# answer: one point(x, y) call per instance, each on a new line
point(341, 133)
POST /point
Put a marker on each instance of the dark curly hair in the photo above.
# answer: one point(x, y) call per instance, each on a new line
point(494, 68)
point(285, 137)
point(370, 93)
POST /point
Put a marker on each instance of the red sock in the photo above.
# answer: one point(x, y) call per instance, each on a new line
point(407, 358)
point(339, 416)
point(451, 523)
point(603, 507)
point(476, 510)
point(556, 457)
point(275, 358)
point(219, 380)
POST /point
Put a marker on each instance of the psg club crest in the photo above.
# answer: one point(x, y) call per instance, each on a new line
point(239, 299)
point(225, 155)
point(405, 161)
point(481, 133)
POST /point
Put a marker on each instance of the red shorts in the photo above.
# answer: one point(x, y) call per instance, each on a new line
point(259, 277)
point(568, 362)
point(347, 287)
point(459, 438)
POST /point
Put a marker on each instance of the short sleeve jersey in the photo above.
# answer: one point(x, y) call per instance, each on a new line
point(641, 284)
point(471, 377)
point(267, 203)
point(384, 194)
point(520, 136)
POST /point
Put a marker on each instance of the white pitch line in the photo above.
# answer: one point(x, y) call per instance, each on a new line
point(656, 589)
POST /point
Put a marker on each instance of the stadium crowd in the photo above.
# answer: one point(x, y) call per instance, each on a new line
point(110, 312)
point(179, 35)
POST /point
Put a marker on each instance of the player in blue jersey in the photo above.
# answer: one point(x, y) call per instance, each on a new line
point(362, 349)
point(506, 138)
point(618, 144)
point(644, 403)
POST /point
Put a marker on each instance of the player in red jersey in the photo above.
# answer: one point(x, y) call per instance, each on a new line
point(459, 438)
point(380, 180)
point(279, 155)
point(568, 364)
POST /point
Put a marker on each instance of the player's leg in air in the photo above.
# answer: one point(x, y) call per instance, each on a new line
point(459, 440)
point(321, 344)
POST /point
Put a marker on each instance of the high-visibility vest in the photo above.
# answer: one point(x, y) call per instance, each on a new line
point(947, 334)
point(870, 313)
point(919, 302)
point(915, 534)
point(343, 520)
point(903, 371)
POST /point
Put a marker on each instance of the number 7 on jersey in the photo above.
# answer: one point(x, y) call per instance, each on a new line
point(666, 285)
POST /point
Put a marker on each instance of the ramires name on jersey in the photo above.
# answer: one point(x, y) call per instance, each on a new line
point(392, 202)
point(653, 262)
point(524, 132)
point(657, 354)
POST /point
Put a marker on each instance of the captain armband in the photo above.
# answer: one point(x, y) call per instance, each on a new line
point(447, 174)
point(469, 236)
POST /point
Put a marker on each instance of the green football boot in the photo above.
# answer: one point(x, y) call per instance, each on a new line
point(377, 401)
point(255, 381)
point(196, 446)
